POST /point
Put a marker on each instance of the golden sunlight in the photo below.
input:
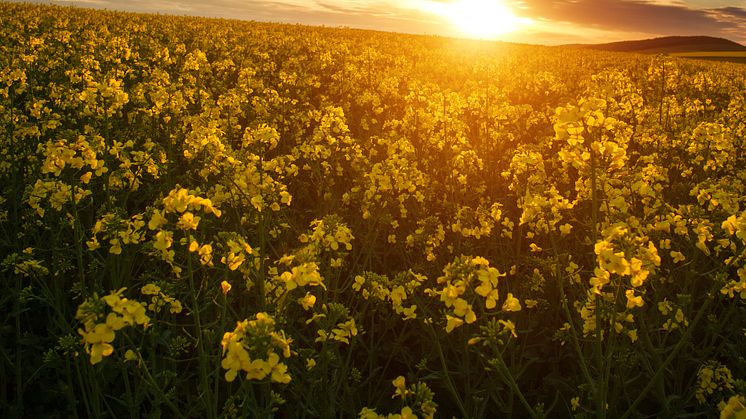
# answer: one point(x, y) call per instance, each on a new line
point(484, 19)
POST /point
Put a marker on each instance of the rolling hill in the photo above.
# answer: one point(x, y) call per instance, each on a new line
point(669, 44)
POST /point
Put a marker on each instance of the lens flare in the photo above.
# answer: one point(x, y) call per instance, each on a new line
point(482, 18)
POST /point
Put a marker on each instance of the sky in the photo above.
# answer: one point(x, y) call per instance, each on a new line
point(547, 22)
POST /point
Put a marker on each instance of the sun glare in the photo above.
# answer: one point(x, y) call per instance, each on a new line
point(485, 19)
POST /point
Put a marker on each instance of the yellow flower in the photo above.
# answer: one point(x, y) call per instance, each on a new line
point(236, 359)
point(609, 260)
point(257, 369)
point(639, 274)
point(400, 385)
point(632, 300)
point(730, 225)
point(116, 247)
point(508, 325)
point(665, 307)
point(150, 289)
point(359, 281)
point(163, 240)
point(735, 408)
point(100, 333)
point(130, 355)
point(452, 323)
point(188, 221)
point(98, 342)
point(233, 261)
point(677, 256)
point(93, 243)
point(300, 276)
point(470, 316)
point(600, 279)
point(177, 200)
point(115, 322)
point(205, 254)
point(679, 315)
point(99, 350)
point(575, 403)
point(616, 263)
point(460, 307)
point(366, 413)
point(408, 313)
point(307, 301)
point(157, 220)
point(345, 330)
point(511, 303)
point(225, 287)
point(488, 287)
point(277, 369)
point(406, 413)
point(175, 307)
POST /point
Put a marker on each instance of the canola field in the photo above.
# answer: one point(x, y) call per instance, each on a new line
point(212, 218)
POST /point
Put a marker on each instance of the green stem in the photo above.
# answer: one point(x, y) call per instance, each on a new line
point(15, 220)
point(95, 390)
point(648, 346)
point(70, 391)
point(19, 349)
point(507, 376)
point(83, 389)
point(159, 392)
point(262, 254)
point(594, 198)
point(130, 396)
point(606, 374)
point(446, 374)
point(599, 359)
point(78, 237)
point(573, 330)
point(203, 356)
point(598, 347)
point(575, 341)
point(684, 340)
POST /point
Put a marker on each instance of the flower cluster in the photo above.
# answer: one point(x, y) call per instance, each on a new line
point(179, 205)
point(417, 400)
point(335, 324)
point(103, 317)
point(397, 291)
point(159, 299)
point(254, 347)
point(713, 377)
point(464, 279)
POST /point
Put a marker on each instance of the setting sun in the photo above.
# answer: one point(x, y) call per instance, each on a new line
point(482, 18)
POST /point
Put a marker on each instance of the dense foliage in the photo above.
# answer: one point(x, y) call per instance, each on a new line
point(204, 218)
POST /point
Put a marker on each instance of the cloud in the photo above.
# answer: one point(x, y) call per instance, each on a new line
point(638, 16)
point(373, 14)
point(368, 9)
point(87, 2)
point(736, 12)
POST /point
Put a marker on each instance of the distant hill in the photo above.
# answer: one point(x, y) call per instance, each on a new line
point(669, 44)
